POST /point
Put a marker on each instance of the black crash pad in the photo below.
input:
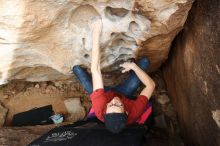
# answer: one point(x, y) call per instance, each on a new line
point(91, 134)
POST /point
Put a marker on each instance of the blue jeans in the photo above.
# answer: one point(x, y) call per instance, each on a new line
point(127, 87)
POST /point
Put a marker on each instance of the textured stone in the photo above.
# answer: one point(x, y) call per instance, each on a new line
point(163, 99)
point(37, 86)
point(75, 109)
point(42, 40)
point(3, 114)
point(216, 117)
point(192, 75)
point(5, 96)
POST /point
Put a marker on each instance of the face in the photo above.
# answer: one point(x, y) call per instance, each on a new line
point(115, 106)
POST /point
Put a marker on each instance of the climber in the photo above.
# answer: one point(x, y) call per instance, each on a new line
point(116, 106)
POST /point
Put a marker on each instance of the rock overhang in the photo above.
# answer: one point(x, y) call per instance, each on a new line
point(43, 40)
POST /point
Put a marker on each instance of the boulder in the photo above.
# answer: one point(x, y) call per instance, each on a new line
point(75, 109)
point(43, 40)
point(192, 75)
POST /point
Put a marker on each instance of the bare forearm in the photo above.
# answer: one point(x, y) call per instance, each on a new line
point(95, 64)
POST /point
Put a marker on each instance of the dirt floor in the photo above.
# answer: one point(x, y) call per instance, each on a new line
point(19, 96)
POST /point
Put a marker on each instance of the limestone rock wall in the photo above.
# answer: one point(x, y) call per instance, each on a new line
point(192, 75)
point(42, 40)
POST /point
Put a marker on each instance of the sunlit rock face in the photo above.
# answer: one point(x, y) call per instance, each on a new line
point(43, 40)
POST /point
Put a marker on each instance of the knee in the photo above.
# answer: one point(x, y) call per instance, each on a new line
point(144, 63)
point(76, 68)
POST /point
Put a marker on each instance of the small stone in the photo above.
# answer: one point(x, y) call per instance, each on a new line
point(53, 88)
point(58, 84)
point(5, 96)
point(43, 84)
point(26, 93)
point(62, 90)
point(65, 87)
point(163, 99)
point(50, 89)
point(43, 91)
point(47, 91)
point(29, 89)
point(37, 86)
point(75, 108)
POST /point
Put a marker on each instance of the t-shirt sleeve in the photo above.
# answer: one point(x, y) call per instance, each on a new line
point(99, 102)
point(138, 107)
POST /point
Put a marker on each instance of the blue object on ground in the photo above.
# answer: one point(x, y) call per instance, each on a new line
point(58, 118)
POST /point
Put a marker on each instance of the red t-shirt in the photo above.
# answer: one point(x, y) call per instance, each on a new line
point(135, 108)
